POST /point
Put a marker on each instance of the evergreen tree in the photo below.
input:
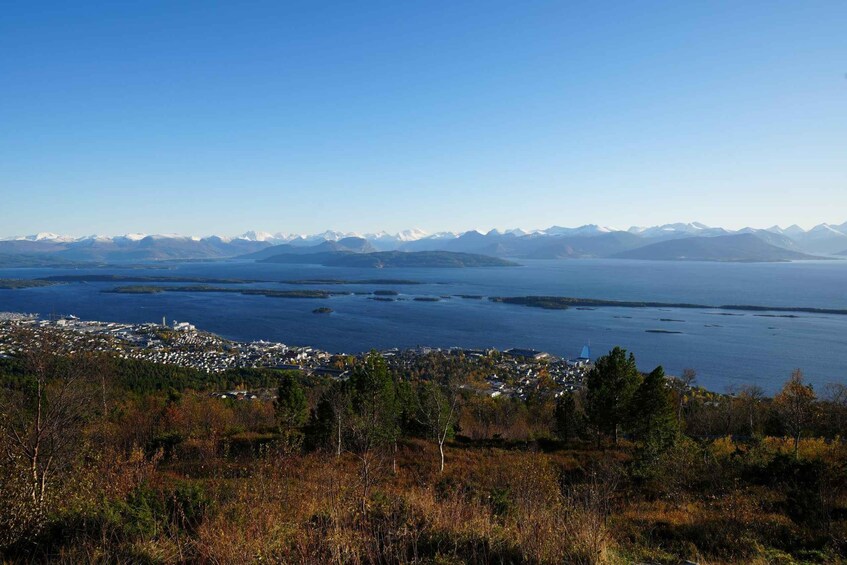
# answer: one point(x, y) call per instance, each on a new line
point(374, 399)
point(610, 386)
point(328, 421)
point(567, 417)
point(374, 426)
point(652, 415)
point(291, 409)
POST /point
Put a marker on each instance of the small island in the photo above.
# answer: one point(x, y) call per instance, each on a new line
point(15, 284)
point(322, 310)
point(144, 289)
point(566, 302)
point(351, 282)
point(145, 279)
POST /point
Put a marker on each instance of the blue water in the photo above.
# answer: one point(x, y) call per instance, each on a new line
point(726, 351)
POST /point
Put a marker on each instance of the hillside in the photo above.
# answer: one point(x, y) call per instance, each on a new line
point(745, 247)
point(123, 249)
point(347, 244)
point(391, 259)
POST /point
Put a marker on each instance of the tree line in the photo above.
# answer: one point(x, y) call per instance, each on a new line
point(65, 420)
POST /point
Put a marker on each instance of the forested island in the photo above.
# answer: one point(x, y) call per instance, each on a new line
point(149, 289)
point(145, 279)
point(565, 302)
point(14, 284)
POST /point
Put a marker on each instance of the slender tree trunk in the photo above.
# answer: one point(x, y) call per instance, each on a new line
point(338, 446)
point(103, 392)
point(36, 448)
point(366, 482)
point(441, 452)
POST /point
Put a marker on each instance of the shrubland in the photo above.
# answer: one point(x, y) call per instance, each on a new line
point(116, 461)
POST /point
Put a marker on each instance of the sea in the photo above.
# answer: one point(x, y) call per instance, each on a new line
point(727, 349)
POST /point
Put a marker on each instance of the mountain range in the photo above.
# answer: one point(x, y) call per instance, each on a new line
point(679, 241)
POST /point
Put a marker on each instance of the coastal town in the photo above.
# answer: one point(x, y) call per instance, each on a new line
point(511, 373)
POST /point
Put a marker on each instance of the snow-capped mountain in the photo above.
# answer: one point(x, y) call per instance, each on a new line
point(42, 236)
point(586, 230)
point(257, 236)
point(589, 240)
point(678, 230)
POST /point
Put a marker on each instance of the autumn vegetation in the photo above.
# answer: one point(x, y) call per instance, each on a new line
point(107, 460)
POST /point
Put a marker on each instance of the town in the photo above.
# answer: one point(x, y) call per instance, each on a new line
point(513, 373)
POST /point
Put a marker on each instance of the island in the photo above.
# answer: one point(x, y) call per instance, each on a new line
point(246, 291)
point(566, 302)
point(352, 282)
point(145, 279)
point(392, 259)
point(322, 310)
point(15, 284)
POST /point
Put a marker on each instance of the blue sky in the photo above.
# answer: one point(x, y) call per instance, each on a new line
point(200, 118)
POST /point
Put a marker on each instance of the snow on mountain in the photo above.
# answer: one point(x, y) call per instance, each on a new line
point(48, 236)
point(443, 235)
point(45, 236)
point(586, 230)
point(256, 236)
point(821, 238)
point(794, 230)
point(413, 234)
point(330, 235)
point(825, 230)
point(134, 236)
point(679, 229)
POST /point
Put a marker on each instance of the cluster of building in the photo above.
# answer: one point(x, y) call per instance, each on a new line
point(177, 344)
point(511, 373)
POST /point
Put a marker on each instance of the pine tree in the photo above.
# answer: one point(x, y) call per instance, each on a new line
point(567, 417)
point(330, 418)
point(610, 386)
point(652, 417)
point(291, 410)
point(375, 425)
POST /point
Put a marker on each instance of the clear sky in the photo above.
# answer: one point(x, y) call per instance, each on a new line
point(206, 117)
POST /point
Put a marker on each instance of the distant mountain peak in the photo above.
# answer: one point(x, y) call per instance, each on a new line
point(591, 240)
point(256, 236)
point(44, 236)
point(413, 234)
point(825, 228)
